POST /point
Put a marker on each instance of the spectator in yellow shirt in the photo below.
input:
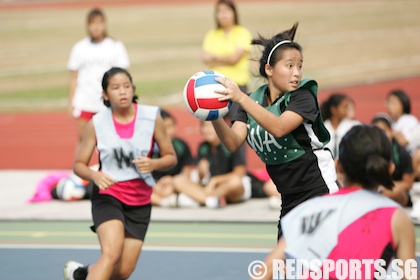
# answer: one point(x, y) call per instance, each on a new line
point(226, 48)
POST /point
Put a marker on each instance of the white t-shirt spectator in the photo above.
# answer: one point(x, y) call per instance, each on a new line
point(338, 134)
point(92, 60)
point(409, 126)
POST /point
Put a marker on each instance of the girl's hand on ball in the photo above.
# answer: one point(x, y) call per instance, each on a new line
point(232, 91)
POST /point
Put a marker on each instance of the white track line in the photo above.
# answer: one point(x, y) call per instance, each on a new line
point(146, 248)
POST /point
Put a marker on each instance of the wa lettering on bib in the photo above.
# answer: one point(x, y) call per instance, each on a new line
point(270, 149)
point(116, 154)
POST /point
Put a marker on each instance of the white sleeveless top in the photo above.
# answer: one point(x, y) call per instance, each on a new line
point(312, 228)
point(116, 154)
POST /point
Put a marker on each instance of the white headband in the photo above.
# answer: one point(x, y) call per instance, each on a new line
point(275, 47)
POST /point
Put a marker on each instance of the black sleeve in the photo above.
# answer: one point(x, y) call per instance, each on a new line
point(406, 164)
point(240, 115)
point(203, 151)
point(239, 156)
point(186, 156)
point(302, 102)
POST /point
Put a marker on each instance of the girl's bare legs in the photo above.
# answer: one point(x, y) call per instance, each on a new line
point(111, 238)
point(183, 184)
point(231, 189)
point(129, 258)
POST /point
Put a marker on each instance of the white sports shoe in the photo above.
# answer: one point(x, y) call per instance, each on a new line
point(213, 202)
point(184, 201)
point(169, 201)
point(70, 268)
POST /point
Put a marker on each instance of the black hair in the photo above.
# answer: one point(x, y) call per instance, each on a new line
point(95, 12)
point(334, 100)
point(109, 74)
point(232, 6)
point(365, 153)
point(268, 45)
point(382, 117)
point(404, 99)
point(166, 115)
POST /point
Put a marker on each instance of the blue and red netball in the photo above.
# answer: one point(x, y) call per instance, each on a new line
point(201, 100)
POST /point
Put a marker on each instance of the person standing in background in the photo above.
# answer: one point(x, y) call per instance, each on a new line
point(226, 48)
point(89, 59)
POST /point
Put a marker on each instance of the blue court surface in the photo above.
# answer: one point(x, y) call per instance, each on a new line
point(38, 250)
point(41, 263)
point(37, 263)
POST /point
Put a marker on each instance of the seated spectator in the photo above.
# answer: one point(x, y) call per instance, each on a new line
point(416, 164)
point(263, 187)
point(164, 191)
point(407, 132)
point(220, 176)
point(335, 112)
point(403, 174)
point(405, 125)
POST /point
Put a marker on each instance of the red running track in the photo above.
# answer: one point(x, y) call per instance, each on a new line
point(47, 140)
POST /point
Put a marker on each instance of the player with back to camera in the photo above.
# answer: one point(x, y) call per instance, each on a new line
point(124, 135)
point(89, 59)
point(282, 124)
point(368, 225)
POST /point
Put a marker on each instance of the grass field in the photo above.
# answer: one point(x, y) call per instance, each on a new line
point(345, 43)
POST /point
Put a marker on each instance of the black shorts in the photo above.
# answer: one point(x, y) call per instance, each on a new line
point(135, 218)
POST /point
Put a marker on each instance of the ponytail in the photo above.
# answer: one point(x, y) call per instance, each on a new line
point(272, 48)
point(377, 172)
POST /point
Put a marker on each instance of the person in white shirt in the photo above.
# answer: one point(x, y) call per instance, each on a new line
point(89, 59)
point(407, 133)
point(406, 125)
point(335, 115)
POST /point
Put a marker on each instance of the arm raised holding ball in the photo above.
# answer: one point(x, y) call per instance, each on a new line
point(282, 123)
point(276, 125)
